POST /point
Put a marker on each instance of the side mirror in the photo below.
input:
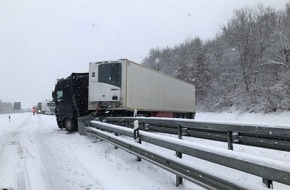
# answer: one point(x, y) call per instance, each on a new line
point(53, 95)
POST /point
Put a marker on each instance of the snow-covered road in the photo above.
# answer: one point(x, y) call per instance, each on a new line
point(33, 155)
point(36, 155)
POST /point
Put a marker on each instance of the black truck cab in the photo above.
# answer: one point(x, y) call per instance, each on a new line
point(71, 100)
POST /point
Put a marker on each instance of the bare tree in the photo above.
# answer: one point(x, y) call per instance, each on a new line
point(245, 67)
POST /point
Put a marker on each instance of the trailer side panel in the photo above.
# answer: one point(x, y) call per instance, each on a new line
point(147, 89)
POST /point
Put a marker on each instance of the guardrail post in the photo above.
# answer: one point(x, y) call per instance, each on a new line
point(116, 134)
point(136, 135)
point(179, 154)
point(268, 183)
point(230, 140)
point(143, 126)
point(179, 180)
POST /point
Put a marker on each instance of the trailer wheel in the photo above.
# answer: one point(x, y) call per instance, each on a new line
point(192, 115)
point(70, 125)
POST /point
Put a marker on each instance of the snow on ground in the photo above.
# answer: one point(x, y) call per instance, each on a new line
point(271, 119)
point(35, 154)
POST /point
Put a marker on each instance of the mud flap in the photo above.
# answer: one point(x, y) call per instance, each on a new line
point(83, 122)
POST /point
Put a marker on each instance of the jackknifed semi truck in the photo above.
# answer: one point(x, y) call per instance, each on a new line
point(118, 88)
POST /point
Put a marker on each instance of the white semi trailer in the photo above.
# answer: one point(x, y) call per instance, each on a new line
point(122, 86)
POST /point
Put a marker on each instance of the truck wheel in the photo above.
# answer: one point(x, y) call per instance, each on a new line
point(191, 115)
point(70, 125)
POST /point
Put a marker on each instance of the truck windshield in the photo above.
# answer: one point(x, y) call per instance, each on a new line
point(59, 95)
point(110, 74)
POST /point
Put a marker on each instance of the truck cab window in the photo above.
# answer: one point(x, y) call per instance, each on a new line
point(59, 95)
point(110, 74)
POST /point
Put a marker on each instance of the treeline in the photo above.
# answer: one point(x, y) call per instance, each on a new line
point(246, 67)
point(5, 106)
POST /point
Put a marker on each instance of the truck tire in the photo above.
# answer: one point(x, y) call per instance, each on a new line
point(70, 125)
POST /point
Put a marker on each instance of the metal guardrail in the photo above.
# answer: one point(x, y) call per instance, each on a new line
point(196, 176)
point(279, 171)
point(277, 138)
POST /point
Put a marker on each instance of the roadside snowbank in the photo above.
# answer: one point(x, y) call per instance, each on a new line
point(274, 119)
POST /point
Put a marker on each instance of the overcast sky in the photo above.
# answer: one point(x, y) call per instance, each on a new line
point(43, 40)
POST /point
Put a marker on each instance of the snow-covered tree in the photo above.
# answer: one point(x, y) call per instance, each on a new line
point(246, 67)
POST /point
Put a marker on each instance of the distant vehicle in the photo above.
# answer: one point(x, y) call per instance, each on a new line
point(34, 109)
point(38, 108)
point(117, 88)
point(48, 107)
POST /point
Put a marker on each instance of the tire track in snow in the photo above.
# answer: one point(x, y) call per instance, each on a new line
point(65, 161)
point(51, 176)
point(49, 167)
point(15, 129)
point(31, 164)
point(20, 173)
point(23, 181)
point(11, 154)
point(6, 134)
point(86, 171)
point(36, 155)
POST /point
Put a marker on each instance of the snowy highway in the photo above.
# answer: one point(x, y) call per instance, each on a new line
point(36, 155)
